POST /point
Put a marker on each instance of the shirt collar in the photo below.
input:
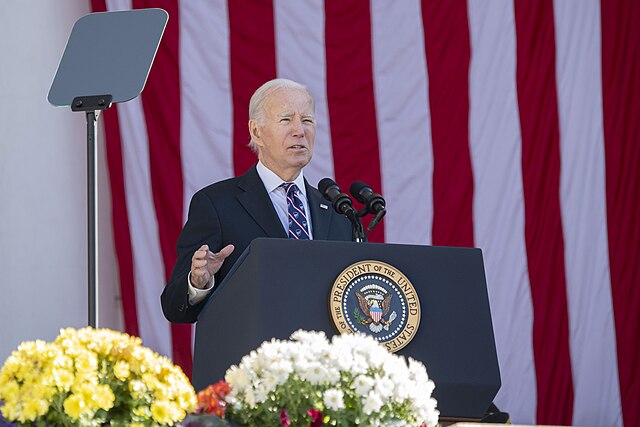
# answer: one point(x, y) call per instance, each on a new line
point(272, 181)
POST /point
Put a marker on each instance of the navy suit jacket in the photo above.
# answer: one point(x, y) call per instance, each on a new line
point(236, 211)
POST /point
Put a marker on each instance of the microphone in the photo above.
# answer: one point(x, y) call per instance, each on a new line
point(365, 195)
point(340, 201)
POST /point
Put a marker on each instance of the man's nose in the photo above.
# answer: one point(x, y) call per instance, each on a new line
point(297, 129)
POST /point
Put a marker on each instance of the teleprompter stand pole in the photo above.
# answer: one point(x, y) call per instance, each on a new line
point(92, 105)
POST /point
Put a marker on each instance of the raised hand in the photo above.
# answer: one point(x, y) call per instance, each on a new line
point(205, 264)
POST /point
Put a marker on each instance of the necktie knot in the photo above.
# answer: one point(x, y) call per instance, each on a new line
point(298, 224)
point(290, 188)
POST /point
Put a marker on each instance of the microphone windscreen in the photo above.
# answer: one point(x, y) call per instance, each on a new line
point(356, 190)
point(324, 185)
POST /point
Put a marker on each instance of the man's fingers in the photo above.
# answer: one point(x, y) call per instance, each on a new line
point(200, 254)
point(226, 251)
point(198, 263)
point(220, 256)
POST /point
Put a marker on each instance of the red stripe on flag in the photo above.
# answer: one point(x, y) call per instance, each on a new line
point(253, 63)
point(98, 5)
point(621, 111)
point(538, 105)
point(350, 96)
point(161, 103)
point(448, 52)
point(120, 217)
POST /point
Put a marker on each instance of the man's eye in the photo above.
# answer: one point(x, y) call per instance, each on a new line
point(285, 120)
point(308, 121)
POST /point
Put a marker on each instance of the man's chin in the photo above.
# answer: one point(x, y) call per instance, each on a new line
point(300, 161)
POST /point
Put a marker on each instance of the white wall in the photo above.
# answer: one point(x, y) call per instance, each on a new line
point(43, 205)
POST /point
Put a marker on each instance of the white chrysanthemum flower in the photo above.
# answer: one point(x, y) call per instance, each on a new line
point(270, 382)
point(362, 385)
point(401, 390)
point(417, 371)
point(360, 364)
point(300, 363)
point(314, 342)
point(333, 399)
point(250, 397)
point(341, 358)
point(332, 375)
point(383, 386)
point(237, 378)
point(261, 392)
point(315, 373)
point(280, 370)
point(377, 356)
point(371, 403)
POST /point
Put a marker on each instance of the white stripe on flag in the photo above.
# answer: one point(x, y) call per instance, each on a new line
point(583, 202)
point(404, 125)
point(114, 5)
point(205, 84)
point(495, 142)
point(300, 56)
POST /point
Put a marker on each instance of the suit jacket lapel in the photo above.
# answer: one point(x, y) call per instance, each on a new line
point(320, 213)
point(258, 204)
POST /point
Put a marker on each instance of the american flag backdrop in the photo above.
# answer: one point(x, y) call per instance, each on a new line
point(508, 125)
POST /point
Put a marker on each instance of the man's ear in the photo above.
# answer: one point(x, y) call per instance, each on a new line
point(254, 130)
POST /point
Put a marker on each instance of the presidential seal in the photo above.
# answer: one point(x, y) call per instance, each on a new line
point(377, 299)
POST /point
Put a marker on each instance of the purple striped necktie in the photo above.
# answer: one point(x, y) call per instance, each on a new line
point(298, 224)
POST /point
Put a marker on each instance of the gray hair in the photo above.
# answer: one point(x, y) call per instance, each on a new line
point(259, 97)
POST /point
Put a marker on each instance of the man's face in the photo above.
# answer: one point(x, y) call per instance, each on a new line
point(285, 139)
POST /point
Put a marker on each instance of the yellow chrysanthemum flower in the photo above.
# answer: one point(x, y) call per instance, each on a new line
point(165, 412)
point(121, 370)
point(34, 408)
point(9, 410)
point(151, 381)
point(103, 396)
point(142, 412)
point(86, 362)
point(9, 390)
point(63, 378)
point(137, 388)
point(160, 412)
point(74, 406)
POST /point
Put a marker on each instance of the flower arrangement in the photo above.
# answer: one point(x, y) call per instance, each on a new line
point(211, 399)
point(90, 377)
point(309, 380)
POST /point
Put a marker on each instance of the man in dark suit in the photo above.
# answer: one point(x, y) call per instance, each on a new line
point(226, 216)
